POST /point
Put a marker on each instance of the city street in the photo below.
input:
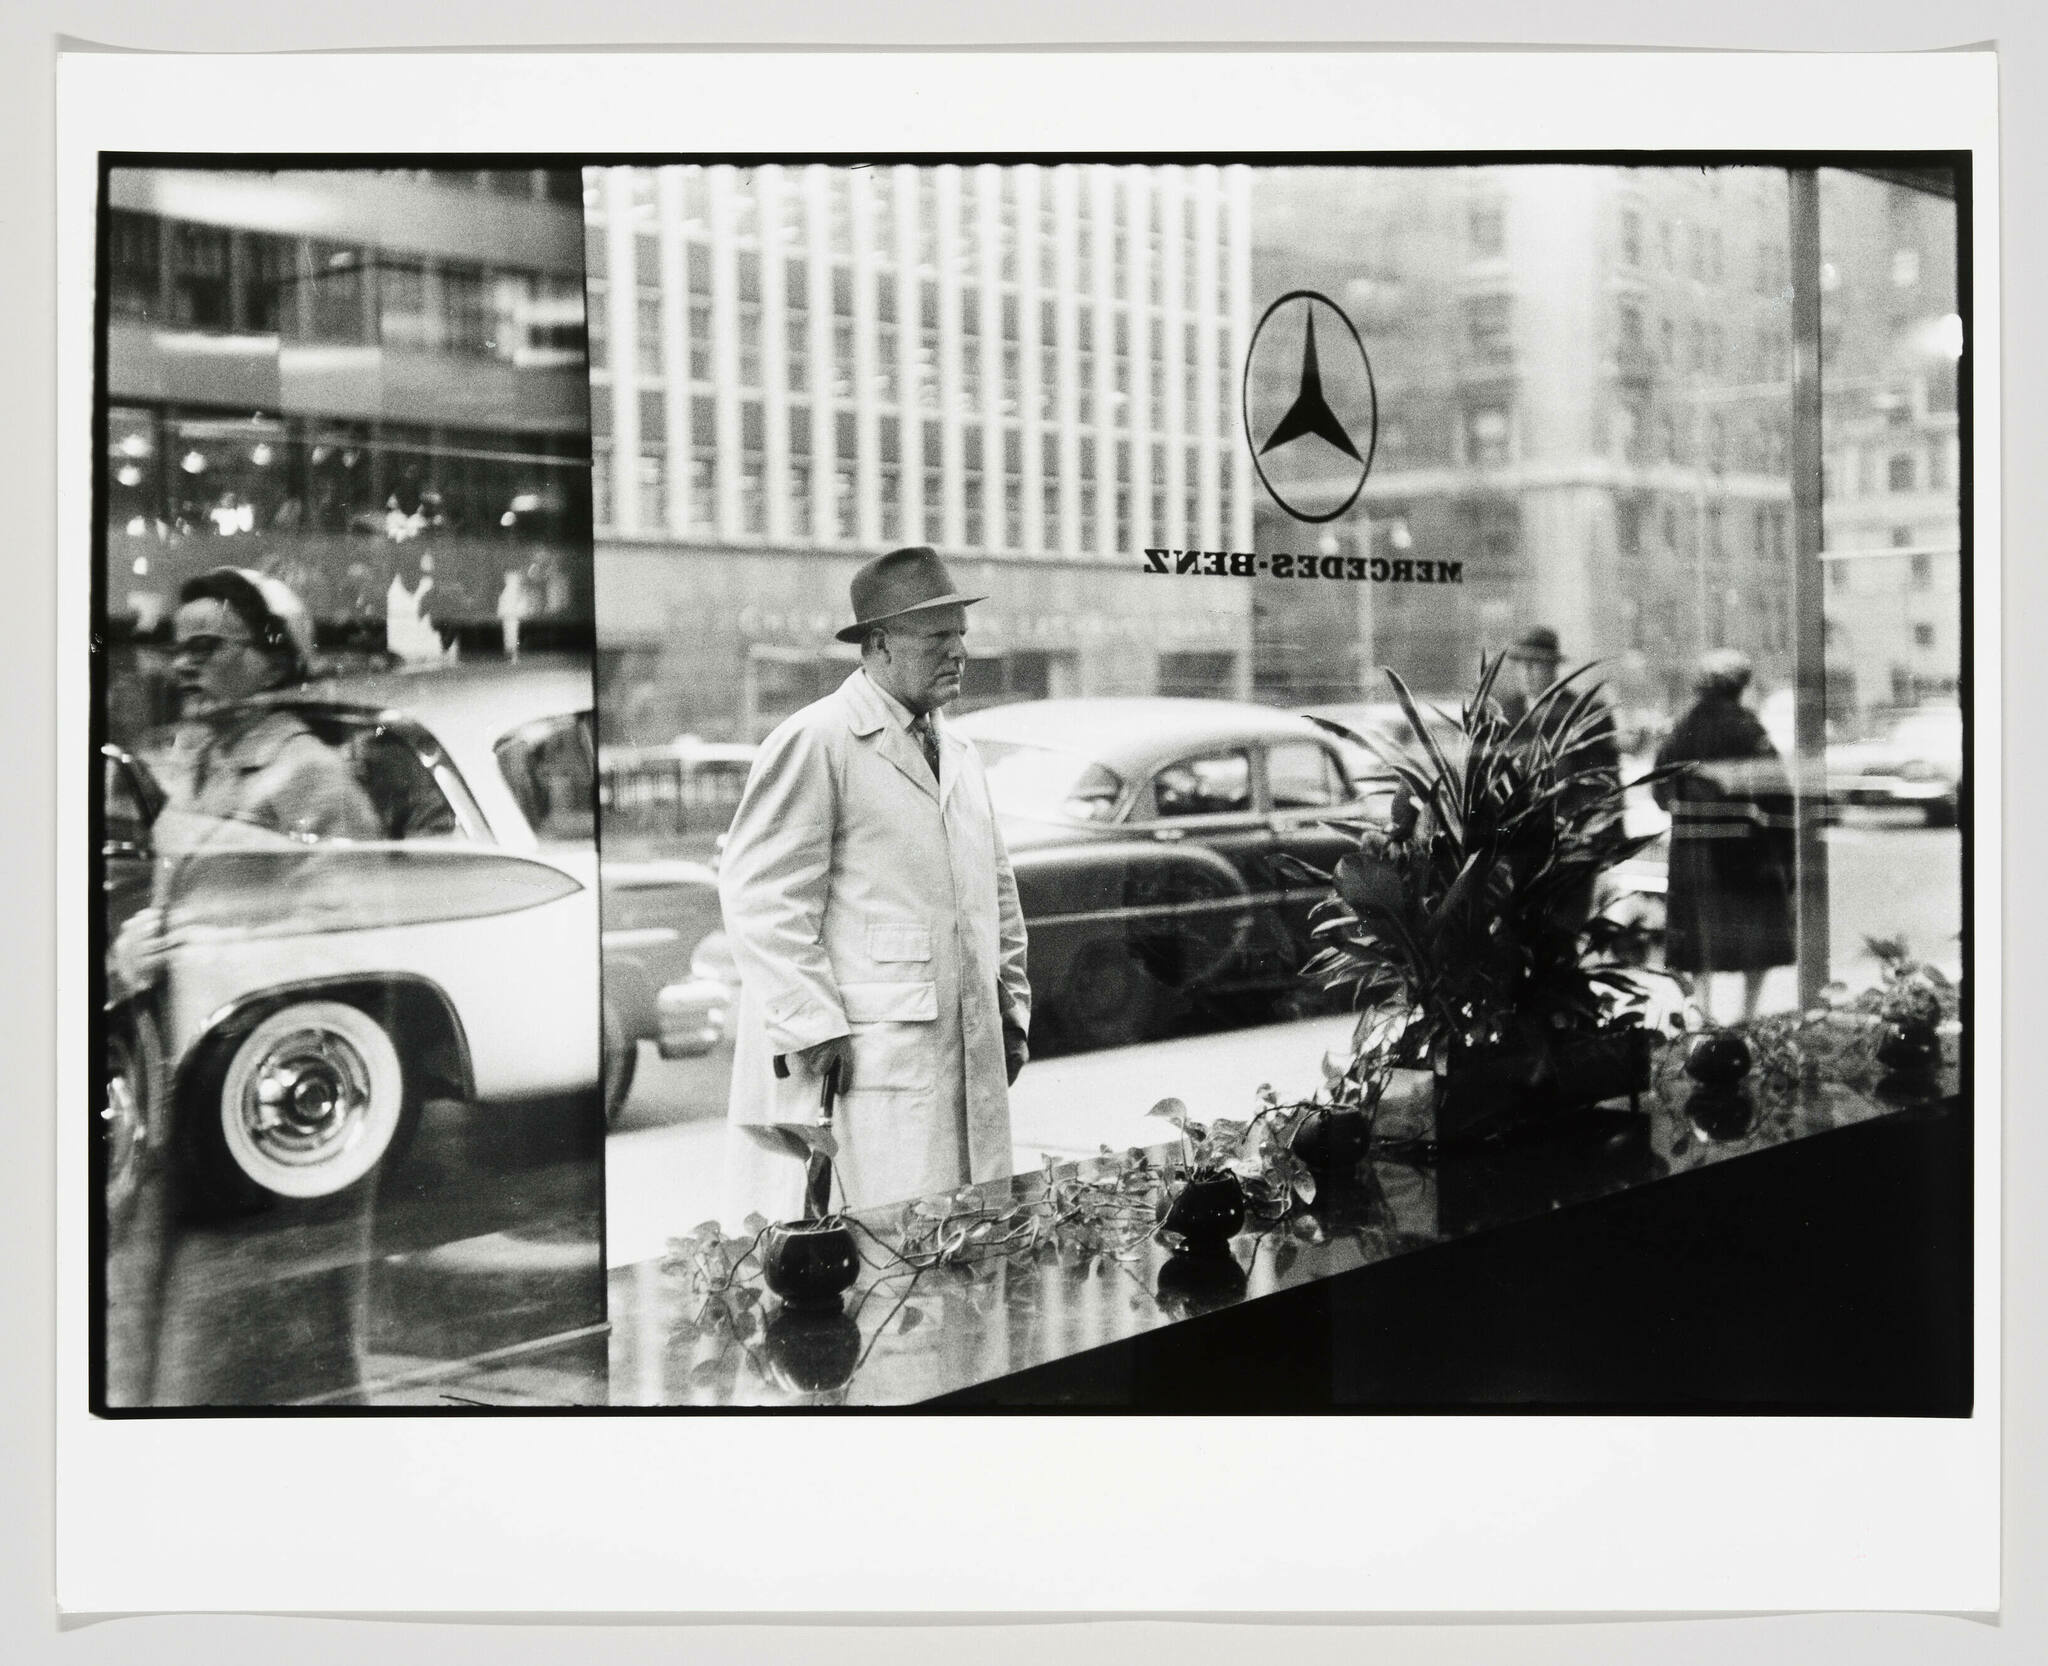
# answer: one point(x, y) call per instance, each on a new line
point(1889, 877)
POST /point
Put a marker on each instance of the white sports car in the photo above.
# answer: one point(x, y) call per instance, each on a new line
point(293, 1003)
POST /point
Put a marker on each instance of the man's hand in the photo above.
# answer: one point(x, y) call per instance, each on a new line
point(815, 1061)
point(1016, 1052)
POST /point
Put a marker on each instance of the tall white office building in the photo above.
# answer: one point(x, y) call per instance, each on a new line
point(1037, 370)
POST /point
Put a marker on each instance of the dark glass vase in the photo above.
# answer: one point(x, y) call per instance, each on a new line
point(1207, 1212)
point(1721, 1115)
point(809, 1263)
point(1196, 1284)
point(1332, 1142)
point(811, 1351)
point(1908, 1047)
point(1718, 1058)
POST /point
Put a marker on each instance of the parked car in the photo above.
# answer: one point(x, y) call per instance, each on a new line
point(1384, 721)
point(312, 995)
point(1916, 762)
point(1146, 836)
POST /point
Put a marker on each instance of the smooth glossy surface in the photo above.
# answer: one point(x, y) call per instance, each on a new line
point(922, 1335)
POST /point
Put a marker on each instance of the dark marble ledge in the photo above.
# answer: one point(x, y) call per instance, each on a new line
point(903, 1339)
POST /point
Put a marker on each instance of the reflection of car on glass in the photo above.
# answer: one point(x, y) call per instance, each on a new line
point(1384, 721)
point(1145, 834)
point(133, 1115)
point(1915, 763)
point(313, 994)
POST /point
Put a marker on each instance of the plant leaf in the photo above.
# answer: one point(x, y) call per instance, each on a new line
point(1422, 732)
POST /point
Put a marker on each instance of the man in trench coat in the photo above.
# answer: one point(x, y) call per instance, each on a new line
point(875, 922)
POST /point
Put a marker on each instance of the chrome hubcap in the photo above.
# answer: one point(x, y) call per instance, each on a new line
point(307, 1098)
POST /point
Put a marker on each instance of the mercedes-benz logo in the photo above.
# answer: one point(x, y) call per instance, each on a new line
point(1313, 445)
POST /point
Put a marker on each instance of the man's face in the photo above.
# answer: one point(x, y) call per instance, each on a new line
point(214, 658)
point(923, 657)
point(1536, 674)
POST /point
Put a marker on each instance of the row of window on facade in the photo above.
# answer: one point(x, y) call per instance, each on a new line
point(768, 212)
point(1127, 336)
point(1863, 471)
point(178, 473)
point(177, 274)
point(1109, 501)
point(1678, 247)
point(1862, 575)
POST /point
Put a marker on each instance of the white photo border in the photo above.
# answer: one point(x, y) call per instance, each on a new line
point(963, 1515)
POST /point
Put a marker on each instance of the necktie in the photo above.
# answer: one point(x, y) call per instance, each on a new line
point(927, 737)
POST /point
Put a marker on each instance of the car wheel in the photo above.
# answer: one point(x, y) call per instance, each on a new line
point(1108, 999)
point(128, 1113)
point(621, 1062)
point(305, 1105)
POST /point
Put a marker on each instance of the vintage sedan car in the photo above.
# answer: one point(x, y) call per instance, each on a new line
point(1384, 722)
point(1146, 835)
point(1915, 763)
point(308, 996)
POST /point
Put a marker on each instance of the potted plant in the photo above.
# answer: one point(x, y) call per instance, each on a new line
point(1205, 1207)
point(809, 1262)
point(1462, 931)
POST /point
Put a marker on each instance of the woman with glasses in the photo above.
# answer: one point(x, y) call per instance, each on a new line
point(239, 634)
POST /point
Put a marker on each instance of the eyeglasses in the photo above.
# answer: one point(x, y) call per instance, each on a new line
point(204, 648)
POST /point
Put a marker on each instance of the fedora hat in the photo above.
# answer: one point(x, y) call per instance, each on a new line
point(1537, 642)
point(903, 581)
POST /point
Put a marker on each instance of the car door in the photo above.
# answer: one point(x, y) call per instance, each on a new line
point(1210, 799)
point(130, 801)
point(1305, 785)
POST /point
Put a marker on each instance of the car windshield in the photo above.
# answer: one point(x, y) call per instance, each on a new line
point(1042, 784)
point(551, 767)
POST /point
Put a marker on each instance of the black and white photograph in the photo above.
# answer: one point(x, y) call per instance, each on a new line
point(996, 757)
point(1243, 730)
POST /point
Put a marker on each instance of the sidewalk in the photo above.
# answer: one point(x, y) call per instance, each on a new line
point(1070, 1107)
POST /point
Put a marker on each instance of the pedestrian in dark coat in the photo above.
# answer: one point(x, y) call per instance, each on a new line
point(1729, 903)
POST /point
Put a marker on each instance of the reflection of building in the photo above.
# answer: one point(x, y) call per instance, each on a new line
point(1583, 378)
point(1582, 398)
point(357, 382)
point(1032, 369)
point(1894, 584)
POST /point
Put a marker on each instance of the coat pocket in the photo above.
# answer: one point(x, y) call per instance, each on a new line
point(893, 1025)
point(890, 1003)
point(889, 943)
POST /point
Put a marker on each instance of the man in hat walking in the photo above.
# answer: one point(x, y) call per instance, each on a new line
point(874, 919)
point(1536, 660)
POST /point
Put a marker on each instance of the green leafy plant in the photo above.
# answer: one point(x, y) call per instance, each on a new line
point(1462, 926)
point(1837, 1041)
point(1259, 1151)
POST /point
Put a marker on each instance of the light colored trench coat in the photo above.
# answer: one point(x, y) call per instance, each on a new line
point(862, 899)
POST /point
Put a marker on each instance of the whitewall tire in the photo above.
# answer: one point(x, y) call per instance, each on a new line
point(305, 1105)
